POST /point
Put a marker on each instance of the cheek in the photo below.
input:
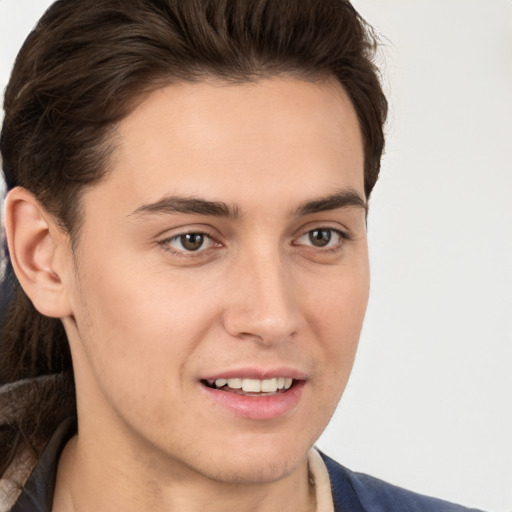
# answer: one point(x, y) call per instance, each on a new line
point(336, 312)
point(140, 325)
point(337, 302)
point(138, 335)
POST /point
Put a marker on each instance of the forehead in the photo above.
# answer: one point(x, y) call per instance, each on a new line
point(238, 142)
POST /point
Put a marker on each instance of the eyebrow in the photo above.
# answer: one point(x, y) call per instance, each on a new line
point(342, 199)
point(189, 205)
point(196, 206)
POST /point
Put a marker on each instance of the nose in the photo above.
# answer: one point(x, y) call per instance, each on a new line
point(262, 301)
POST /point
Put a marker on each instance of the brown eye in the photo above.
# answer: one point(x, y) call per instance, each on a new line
point(320, 237)
point(189, 242)
point(192, 241)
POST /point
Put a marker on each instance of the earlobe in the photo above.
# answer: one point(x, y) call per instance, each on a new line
point(34, 239)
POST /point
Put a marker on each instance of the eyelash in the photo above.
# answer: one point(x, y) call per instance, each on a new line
point(166, 243)
point(343, 237)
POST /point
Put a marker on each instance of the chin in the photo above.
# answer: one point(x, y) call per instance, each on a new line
point(255, 463)
point(253, 472)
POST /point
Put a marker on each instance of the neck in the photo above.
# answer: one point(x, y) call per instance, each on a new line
point(110, 481)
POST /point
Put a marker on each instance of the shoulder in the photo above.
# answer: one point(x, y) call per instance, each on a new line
point(16, 459)
point(26, 460)
point(369, 494)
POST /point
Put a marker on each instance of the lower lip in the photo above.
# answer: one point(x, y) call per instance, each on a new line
point(258, 407)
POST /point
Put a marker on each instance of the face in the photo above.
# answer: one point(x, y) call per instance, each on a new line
point(221, 278)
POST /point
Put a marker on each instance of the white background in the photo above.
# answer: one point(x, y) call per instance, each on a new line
point(429, 406)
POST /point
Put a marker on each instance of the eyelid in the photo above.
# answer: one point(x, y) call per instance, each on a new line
point(165, 242)
point(344, 236)
point(186, 228)
point(313, 226)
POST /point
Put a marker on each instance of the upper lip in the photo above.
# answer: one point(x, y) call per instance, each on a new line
point(258, 373)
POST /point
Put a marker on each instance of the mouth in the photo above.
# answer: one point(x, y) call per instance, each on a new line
point(251, 387)
point(256, 394)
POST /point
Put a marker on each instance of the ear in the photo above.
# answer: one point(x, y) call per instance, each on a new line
point(37, 249)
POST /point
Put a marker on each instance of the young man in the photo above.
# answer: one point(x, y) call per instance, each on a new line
point(186, 217)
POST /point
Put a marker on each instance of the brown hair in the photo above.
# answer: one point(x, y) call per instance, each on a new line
point(81, 71)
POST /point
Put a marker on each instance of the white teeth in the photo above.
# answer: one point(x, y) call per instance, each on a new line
point(235, 383)
point(256, 385)
point(251, 385)
point(269, 385)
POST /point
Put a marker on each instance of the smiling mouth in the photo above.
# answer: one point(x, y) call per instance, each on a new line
point(252, 387)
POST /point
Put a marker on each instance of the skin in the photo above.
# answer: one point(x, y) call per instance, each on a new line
point(147, 320)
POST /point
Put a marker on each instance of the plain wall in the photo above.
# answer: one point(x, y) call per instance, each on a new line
point(429, 405)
